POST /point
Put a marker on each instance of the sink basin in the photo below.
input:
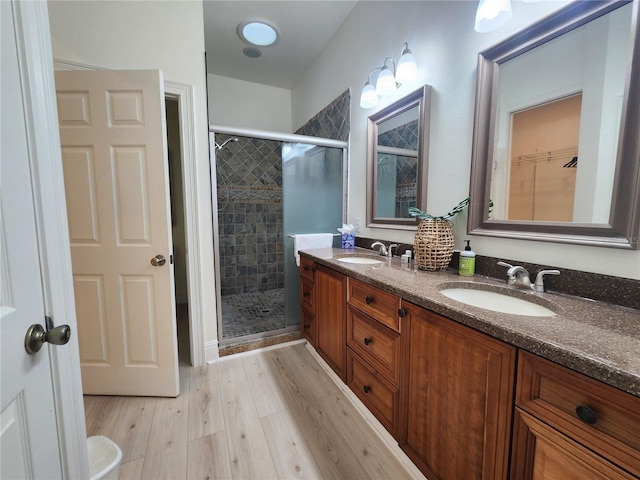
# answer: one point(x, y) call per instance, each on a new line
point(485, 296)
point(360, 260)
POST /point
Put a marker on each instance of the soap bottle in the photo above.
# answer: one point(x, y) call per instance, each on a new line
point(406, 259)
point(467, 264)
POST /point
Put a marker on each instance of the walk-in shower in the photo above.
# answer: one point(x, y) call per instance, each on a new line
point(267, 187)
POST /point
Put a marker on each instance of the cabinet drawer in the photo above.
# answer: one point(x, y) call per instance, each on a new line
point(307, 268)
point(375, 343)
point(561, 397)
point(377, 394)
point(542, 452)
point(307, 294)
point(309, 326)
point(374, 302)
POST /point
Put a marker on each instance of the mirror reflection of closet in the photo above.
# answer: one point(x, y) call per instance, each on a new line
point(544, 161)
point(397, 150)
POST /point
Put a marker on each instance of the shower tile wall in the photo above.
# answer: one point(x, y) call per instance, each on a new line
point(249, 179)
point(406, 137)
point(333, 121)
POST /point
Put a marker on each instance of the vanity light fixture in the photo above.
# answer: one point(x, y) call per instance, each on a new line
point(389, 80)
point(257, 33)
point(492, 14)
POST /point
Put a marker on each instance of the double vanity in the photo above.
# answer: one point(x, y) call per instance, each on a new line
point(477, 379)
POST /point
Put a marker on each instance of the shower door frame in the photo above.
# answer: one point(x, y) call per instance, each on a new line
point(263, 135)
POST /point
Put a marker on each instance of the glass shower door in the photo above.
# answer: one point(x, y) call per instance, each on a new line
point(313, 199)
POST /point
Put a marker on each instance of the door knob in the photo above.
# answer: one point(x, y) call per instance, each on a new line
point(158, 261)
point(36, 336)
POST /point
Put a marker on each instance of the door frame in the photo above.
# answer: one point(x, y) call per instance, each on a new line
point(183, 94)
point(43, 137)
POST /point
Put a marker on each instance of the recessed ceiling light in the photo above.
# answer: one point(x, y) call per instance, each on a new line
point(257, 33)
point(252, 52)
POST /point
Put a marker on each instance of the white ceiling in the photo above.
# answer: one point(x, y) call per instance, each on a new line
point(305, 27)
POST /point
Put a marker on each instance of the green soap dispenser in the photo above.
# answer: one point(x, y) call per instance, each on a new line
point(467, 264)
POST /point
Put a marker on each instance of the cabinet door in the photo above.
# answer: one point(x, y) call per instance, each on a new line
point(542, 452)
point(459, 399)
point(331, 318)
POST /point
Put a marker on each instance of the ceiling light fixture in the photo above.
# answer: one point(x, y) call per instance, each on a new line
point(388, 81)
point(492, 14)
point(258, 33)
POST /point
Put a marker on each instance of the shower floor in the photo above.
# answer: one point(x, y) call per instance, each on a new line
point(250, 313)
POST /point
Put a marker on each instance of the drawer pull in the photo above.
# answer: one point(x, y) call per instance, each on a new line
point(367, 341)
point(587, 414)
point(369, 300)
point(401, 312)
point(366, 389)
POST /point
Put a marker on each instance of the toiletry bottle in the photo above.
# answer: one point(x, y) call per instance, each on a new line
point(467, 265)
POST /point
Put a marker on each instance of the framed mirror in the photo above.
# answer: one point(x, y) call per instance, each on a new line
point(556, 141)
point(397, 158)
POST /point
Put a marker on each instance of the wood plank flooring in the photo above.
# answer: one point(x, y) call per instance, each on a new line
point(269, 414)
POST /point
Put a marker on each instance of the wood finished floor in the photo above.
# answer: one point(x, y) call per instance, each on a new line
point(262, 415)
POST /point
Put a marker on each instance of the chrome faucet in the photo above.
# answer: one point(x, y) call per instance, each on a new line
point(384, 250)
point(519, 277)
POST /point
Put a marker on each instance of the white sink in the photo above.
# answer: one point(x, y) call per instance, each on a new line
point(497, 302)
point(360, 260)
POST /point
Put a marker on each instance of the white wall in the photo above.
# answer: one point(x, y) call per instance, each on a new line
point(169, 36)
point(236, 103)
point(445, 45)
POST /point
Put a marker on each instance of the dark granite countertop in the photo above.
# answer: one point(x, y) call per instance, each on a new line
point(594, 338)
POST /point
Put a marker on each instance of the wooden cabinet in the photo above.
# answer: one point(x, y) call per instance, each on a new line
point(330, 318)
point(570, 426)
point(373, 353)
point(446, 391)
point(308, 299)
point(459, 398)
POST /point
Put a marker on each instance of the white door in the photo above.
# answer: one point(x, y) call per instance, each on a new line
point(112, 131)
point(28, 433)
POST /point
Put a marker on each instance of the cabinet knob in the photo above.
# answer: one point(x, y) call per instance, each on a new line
point(587, 414)
point(369, 300)
point(307, 325)
point(367, 341)
point(401, 313)
point(366, 389)
point(306, 268)
point(306, 294)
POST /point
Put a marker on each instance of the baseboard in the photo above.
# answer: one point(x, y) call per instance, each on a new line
point(211, 351)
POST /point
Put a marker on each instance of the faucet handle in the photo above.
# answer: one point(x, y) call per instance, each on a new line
point(390, 249)
point(539, 283)
point(511, 279)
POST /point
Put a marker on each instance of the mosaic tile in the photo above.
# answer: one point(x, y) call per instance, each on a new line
point(250, 313)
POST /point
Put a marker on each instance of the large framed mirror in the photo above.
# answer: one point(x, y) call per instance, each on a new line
point(397, 158)
point(556, 142)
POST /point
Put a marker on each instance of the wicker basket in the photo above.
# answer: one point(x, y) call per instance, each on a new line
point(433, 244)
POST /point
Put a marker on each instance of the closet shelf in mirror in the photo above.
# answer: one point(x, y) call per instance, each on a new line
point(563, 154)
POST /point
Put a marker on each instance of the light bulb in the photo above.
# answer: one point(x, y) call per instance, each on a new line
point(407, 70)
point(368, 97)
point(386, 83)
point(492, 14)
